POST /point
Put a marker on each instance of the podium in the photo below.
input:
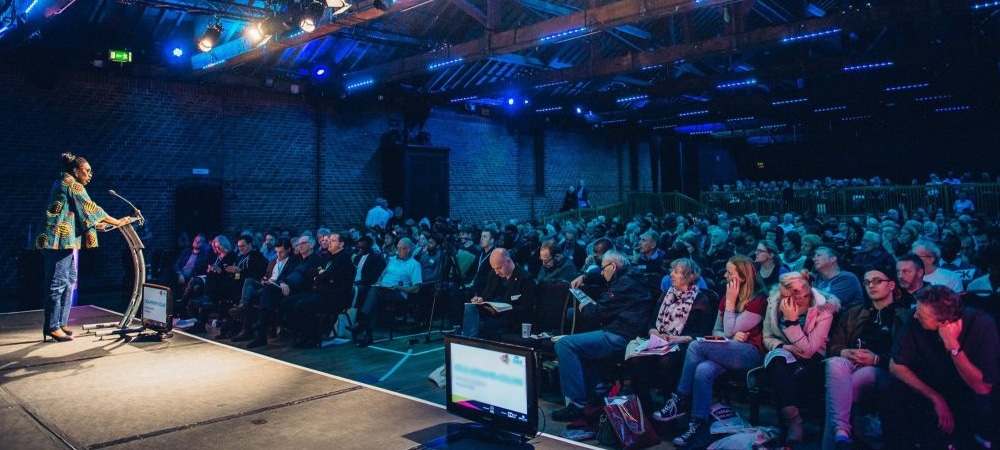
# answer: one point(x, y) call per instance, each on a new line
point(161, 328)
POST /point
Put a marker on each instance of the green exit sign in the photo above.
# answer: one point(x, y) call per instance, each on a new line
point(122, 56)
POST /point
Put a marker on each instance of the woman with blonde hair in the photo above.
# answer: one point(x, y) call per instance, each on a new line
point(736, 344)
point(796, 327)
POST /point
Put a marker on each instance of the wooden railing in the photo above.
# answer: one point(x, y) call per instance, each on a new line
point(849, 201)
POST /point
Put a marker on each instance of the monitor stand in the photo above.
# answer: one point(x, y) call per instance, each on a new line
point(487, 434)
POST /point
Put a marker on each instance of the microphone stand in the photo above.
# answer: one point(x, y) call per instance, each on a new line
point(138, 214)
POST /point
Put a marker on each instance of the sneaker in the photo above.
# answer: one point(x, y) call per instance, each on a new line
point(695, 429)
point(671, 410)
point(567, 414)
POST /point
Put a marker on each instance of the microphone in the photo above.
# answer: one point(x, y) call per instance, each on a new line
point(138, 214)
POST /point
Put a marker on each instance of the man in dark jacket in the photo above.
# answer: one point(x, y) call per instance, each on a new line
point(332, 292)
point(623, 312)
point(508, 284)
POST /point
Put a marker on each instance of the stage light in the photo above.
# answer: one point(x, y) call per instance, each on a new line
point(986, 5)
point(311, 15)
point(802, 37)
point(383, 5)
point(211, 37)
point(272, 26)
point(693, 113)
point(563, 34)
point(906, 87)
point(320, 71)
point(549, 109)
point(737, 84)
point(178, 52)
point(829, 108)
point(510, 101)
point(632, 98)
point(789, 102)
point(579, 110)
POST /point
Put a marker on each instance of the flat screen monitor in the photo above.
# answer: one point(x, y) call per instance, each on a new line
point(492, 383)
point(157, 306)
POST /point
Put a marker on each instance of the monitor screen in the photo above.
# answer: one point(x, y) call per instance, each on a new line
point(157, 304)
point(492, 383)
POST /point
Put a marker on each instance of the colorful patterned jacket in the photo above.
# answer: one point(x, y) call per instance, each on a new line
point(71, 218)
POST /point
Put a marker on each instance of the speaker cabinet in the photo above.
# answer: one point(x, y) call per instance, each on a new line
point(417, 179)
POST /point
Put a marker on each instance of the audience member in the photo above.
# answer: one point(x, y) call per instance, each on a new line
point(304, 266)
point(554, 265)
point(830, 278)
point(622, 310)
point(796, 325)
point(510, 284)
point(859, 348)
point(332, 287)
point(739, 321)
point(685, 312)
point(276, 273)
point(400, 279)
point(930, 254)
point(945, 364)
point(767, 260)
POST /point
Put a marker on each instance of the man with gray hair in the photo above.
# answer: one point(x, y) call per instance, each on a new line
point(623, 311)
point(400, 279)
point(930, 254)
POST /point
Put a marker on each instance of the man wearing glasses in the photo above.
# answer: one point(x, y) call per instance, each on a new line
point(945, 367)
point(623, 312)
point(859, 348)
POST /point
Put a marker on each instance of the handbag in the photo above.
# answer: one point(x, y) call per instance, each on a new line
point(623, 419)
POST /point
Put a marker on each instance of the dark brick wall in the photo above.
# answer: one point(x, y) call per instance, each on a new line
point(283, 160)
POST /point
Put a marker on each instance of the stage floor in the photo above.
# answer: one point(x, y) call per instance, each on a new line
point(189, 392)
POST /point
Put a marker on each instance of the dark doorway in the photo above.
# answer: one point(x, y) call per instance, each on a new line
point(417, 179)
point(198, 208)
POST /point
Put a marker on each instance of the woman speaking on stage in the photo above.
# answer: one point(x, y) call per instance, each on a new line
point(71, 223)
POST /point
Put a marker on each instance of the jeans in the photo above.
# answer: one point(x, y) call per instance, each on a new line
point(573, 349)
point(60, 279)
point(845, 382)
point(706, 361)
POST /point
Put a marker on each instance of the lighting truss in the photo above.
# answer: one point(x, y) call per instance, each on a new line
point(789, 101)
point(859, 67)
point(802, 37)
point(906, 87)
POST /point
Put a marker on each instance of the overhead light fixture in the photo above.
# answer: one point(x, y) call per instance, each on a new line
point(876, 65)
point(311, 15)
point(272, 26)
point(338, 6)
point(383, 5)
point(211, 37)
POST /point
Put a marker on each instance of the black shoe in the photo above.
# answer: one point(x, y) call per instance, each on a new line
point(242, 336)
point(258, 341)
point(365, 338)
point(568, 414)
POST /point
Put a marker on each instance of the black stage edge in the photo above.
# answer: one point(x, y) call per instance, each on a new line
point(187, 392)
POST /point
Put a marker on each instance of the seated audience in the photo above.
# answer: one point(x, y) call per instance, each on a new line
point(554, 266)
point(767, 260)
point(331, 292)
point(871, 253)
point(830, 278)
point(930, 254)
point(945, 366)
point(685, 313)
point(304, 266)
point(622, 311)
point(509, 283)
point(275, 274)
point(859, 347)
point(796, 325)
point(739, 320)
point(400, 279)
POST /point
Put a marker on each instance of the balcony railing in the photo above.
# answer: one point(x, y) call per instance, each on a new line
point(850, 201)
